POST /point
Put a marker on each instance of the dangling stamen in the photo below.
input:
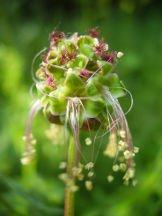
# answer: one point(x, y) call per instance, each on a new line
point(111, 148)
point(29, 153)
point(125, 143)
point(73, 118)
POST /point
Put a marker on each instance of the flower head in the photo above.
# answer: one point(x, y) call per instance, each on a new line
point(78, 88)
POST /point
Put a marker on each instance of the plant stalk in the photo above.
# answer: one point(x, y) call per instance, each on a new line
point(69, 195)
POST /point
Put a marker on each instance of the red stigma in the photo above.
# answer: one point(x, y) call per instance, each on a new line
point(109, 57)
point(45, 56)
point(93, 32)
point(50, 81)
point(63, 59)
point(55, 36)
point(100, 49)
point(71, 56)
point(66, 56)
point(84, 73)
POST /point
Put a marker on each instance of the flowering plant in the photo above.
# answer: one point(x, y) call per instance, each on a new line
point(78, 88)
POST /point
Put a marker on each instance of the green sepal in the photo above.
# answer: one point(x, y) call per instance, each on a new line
point(106, 67)
point(92, 66)
point(51, 117)
point(52, 55)
point(58, 105)
point(56, 71)
point(43, 89)
point(91, 89)
point(71, 48)
point(47, 89)
point(79, 62)
point(73, 38)
point(73, 81)
point(114, 84)
point(94, 107)
point(40, 74)
point(85, 40)
point(86, 50)
point(54, 62)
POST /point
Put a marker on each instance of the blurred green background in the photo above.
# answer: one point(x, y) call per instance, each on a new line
point(131, 26)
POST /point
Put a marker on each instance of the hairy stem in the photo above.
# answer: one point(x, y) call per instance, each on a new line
point(69, 195)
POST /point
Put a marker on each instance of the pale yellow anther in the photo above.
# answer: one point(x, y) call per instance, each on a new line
point(76, 171)
point(106, 47)
point(121, 159)
point(134, 182)
point(121, 148)
point(70, 182)
point(33, 142)
point(24, 138)
point(122, 145)
point(120, 54)
point(122, 133)
point(80, 177)
point(126, 182)
point(31, 151)
point(90, 174)
point(74, 188)
point(63, 177)
point(136, 150)
point(122, 166)
point(81, 165)
point(115, 168)
point(88, 141)
point(88, 185)
point(129, 174)
point(128, 154)
point(111, 148)
point(96, 41)
point(31, 136)
point(26, 160)
point(62, 165)
point(110, 178)
point(69, 70)
point(89, 165)
point(54, 133)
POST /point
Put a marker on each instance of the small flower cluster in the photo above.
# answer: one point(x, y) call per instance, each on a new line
point(29, 154)
point(78, 173)
point(125, 159)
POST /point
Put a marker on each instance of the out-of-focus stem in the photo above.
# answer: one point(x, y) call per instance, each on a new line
point(69, 195)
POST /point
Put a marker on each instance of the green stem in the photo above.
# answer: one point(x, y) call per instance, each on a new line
point(69, 195)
